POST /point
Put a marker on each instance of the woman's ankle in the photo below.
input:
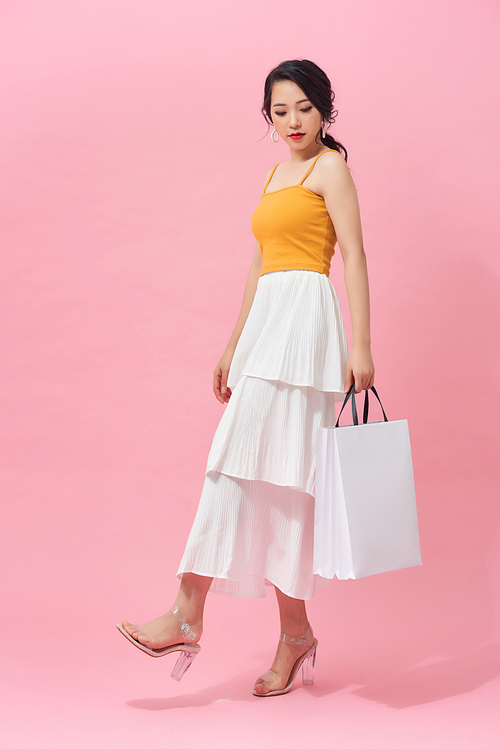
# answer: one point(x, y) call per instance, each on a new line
point(193, 615)
point(295, 628)
point(191, 632)
point(191, 597)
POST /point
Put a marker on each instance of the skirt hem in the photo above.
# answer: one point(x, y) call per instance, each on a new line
point(337, 392)
point(219, 590)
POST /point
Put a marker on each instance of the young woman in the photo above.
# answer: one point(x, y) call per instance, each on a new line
point(284, 367)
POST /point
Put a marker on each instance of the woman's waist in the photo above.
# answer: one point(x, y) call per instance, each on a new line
point(282, 265)
point(294, 284)
point(268, 270)
point(276, 258)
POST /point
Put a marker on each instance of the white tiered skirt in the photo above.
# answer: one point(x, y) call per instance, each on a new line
point(255, 520)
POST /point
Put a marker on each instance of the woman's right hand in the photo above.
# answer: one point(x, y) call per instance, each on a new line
point(222, 392)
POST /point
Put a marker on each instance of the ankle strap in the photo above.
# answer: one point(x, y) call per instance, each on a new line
point(305, 640)
point(189, 632)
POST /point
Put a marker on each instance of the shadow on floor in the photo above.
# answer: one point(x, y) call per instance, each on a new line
point(236, 689)
point(408, 688)
point(437, 681)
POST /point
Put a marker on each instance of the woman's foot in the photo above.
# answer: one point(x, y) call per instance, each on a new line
point(286, 657)
point(164, 631)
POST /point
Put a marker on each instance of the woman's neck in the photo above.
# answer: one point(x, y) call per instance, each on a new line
point(299, 157)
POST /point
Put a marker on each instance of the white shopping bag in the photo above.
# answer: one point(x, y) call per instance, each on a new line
point(365, 511)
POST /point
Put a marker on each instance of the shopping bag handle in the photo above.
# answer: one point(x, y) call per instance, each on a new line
point(351, 395)
point(365, 407)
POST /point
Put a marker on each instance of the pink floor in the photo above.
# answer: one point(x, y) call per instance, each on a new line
point(133, 153)
point(408, 660)
point(94, 690)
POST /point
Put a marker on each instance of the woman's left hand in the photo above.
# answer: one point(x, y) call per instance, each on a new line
point(360, 369)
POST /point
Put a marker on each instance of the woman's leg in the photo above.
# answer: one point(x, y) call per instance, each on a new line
point(165, 630)
point(294, 622)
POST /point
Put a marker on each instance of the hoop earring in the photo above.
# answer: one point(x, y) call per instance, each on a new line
point(323, 130)
point(275, 140)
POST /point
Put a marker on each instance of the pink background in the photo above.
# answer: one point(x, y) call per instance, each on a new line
point(133, 154)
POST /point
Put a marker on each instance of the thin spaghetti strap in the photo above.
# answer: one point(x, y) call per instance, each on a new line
point(270, 178)
point(312, 165)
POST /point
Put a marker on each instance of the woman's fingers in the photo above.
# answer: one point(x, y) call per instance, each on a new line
point(216, 384)
point(362, 380)
point(223, 381)
point(221, 390)
point(360, 369)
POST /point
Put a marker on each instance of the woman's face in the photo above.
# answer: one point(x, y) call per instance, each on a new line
point(293, 115)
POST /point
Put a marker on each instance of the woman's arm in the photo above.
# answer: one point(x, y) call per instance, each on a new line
point(341, 201)
point(222, 392)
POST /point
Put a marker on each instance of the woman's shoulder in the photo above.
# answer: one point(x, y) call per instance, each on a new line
point(271, 170)
point(331, 168)
point(268, 176)
point(331, 161)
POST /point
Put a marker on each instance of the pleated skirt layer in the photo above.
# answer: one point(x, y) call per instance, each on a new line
point(268, 433)
point(294, 333)
point(247, 533)
point(255, 520)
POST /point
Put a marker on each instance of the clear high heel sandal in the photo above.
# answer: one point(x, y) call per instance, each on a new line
point(307, 661)
point(188, 649)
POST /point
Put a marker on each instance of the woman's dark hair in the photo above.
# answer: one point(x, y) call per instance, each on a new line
point(316, 86)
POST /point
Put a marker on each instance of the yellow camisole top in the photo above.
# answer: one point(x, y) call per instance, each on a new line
point(294, 229)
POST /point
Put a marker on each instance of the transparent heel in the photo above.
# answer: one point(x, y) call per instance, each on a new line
point(307, 660)
point(308, 668)
point(183, 662)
